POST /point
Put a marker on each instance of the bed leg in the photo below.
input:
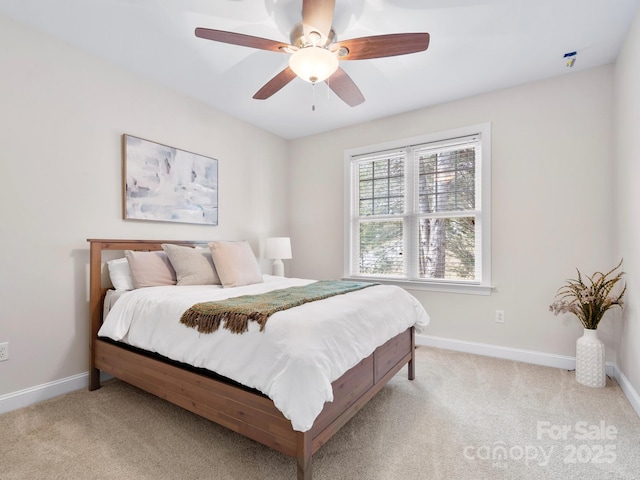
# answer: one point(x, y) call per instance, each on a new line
point(412, 363)
point(94, 379)
point(304, 455)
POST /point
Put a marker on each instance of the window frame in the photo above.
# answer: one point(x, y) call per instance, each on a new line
point(483, 198)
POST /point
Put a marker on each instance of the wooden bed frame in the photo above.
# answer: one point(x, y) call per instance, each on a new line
point(241, 410)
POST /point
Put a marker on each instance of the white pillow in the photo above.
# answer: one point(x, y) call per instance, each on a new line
point(193, 266)
point(235, 263)
point(120, 274)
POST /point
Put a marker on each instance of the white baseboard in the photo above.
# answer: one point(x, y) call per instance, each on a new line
point(508, 353)
point(627, 388)
point(39, 393)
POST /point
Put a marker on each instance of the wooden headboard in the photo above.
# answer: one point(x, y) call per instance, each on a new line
point(96, 290)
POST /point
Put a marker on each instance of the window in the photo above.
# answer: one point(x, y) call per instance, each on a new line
point(419, 211)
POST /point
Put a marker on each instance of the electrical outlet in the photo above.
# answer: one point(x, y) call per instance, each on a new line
point(499, 316)
point(4, 351)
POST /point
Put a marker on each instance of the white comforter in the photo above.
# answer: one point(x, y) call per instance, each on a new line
point(293, 361)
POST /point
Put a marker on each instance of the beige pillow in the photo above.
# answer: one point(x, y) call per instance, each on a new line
point(235, 263)
point(150, 269)
point(193, 266)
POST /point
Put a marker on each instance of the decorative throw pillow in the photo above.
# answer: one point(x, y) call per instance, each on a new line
point(120, 274)
point(150, 269)
point(193, 266)
point(235, 263)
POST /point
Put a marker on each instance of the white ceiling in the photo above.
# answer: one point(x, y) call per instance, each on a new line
point(476, 46)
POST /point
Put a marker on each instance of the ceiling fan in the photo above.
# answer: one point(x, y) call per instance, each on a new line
point(316, 52)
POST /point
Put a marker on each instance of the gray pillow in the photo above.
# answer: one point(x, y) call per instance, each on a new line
point(193, 266)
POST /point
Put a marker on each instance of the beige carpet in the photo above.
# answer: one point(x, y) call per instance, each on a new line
point(464, 417)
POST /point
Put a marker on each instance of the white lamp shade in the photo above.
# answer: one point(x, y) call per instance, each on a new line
point(278, 248)
point(313, 64)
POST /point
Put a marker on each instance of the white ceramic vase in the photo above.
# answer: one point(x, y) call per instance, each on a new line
point(590, 366)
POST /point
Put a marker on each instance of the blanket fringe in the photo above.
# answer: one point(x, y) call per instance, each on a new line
point(209, 323)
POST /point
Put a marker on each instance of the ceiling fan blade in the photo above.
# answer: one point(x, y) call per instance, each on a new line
point(317, 16)
point(384, 45)
point(275, 84)
point(345, 88)
point(241, 39)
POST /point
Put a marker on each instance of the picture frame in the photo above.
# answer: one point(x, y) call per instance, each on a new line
point(167, 184)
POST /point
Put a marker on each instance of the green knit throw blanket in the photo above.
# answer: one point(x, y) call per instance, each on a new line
point(236, 312)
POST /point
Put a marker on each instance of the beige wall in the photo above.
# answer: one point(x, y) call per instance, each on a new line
point(62, 114)
point(627, 127)
point(552, 202)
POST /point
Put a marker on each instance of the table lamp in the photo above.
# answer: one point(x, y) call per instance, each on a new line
point(278, 248)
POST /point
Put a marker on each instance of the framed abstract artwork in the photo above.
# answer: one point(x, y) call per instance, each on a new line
point(166, 184)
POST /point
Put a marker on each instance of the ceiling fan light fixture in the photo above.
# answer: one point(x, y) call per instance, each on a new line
point(313, 64)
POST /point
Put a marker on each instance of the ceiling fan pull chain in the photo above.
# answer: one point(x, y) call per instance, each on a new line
point(313, 97)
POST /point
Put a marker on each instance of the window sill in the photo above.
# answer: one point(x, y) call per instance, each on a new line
point(450, 287)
